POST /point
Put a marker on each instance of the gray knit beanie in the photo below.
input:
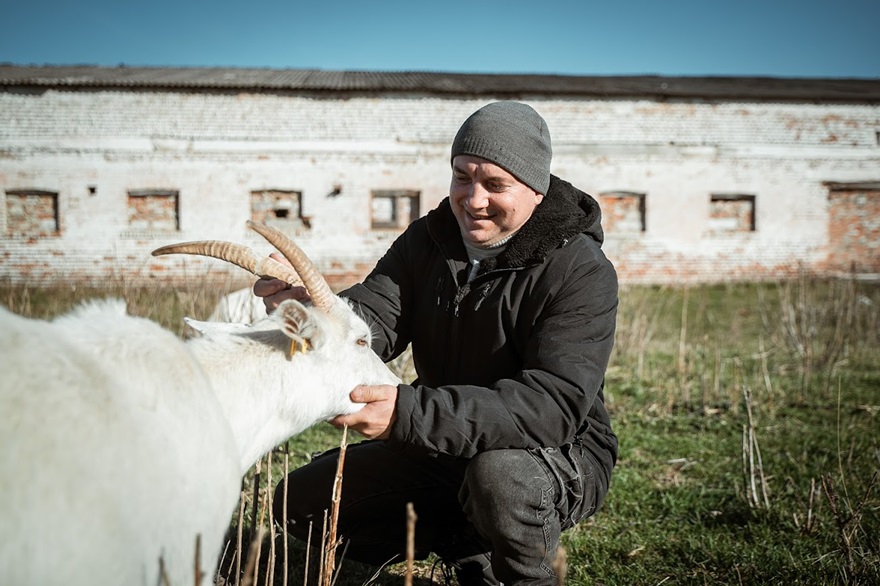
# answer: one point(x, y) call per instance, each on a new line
point(511, 135)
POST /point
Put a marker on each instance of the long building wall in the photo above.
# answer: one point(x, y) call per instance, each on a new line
point(692, 190)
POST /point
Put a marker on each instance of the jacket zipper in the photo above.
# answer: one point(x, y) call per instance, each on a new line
point(459, 296)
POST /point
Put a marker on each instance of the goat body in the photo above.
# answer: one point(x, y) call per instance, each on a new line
point(121, 444)
point(239, 306)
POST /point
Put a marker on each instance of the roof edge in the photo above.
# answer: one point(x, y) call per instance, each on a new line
point(863, 90)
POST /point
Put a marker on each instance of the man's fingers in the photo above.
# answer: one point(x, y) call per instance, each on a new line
point(267, 287)
point(369, 394)
point(362, 395)
point(375, 419)
point(274, 291)
point(280, 258)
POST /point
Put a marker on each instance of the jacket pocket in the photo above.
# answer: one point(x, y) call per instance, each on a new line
point(580, 489)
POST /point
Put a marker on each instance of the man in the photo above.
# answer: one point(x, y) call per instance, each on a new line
point(503, 441)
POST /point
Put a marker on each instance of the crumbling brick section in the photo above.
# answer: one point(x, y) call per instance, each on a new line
point(623, 212)
point(32, 212)
point(155, 210)
point(278, 207)
point(731, 213)
point(854, 227)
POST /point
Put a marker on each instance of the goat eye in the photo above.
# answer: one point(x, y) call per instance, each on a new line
point(362, 342)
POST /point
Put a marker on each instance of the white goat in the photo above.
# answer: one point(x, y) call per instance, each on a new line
point(121, 444)
point(240, 306)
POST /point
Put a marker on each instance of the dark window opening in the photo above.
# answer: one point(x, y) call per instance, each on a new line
point(154, 210)
point(394, 209)
point(731, 213)
point(623, 212)
point(281, 208)
point(32, 212)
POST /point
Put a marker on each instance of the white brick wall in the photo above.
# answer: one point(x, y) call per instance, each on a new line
point(215, 148)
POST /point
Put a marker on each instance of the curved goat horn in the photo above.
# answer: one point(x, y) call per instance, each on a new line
point(236, 254)
point(320, 292)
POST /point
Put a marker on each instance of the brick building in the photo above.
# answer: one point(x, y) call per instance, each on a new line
point(700, 179)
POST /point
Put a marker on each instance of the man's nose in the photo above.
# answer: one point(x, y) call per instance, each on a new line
point(478, 197)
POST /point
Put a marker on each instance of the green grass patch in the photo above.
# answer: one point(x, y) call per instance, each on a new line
point(749, 424)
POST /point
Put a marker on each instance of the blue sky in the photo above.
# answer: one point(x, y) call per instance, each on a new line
point(784, 38)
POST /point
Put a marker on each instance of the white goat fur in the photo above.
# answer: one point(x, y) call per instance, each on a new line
point(120, 443)
point(240, 306)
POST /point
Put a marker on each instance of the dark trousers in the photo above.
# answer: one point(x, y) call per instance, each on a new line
point(506, 508)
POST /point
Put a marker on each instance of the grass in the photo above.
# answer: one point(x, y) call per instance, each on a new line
point(748, 422)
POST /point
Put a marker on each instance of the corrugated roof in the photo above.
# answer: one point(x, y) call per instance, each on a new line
point(195, 78)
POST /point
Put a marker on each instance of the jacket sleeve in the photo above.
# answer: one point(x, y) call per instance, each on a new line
point(555, 396)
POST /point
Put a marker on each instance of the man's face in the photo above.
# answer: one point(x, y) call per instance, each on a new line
point(488, 202)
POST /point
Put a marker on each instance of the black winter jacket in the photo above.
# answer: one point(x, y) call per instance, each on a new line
point(517, 357)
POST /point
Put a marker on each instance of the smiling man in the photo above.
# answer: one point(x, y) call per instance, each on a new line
point(503, 441)
point(489, 203)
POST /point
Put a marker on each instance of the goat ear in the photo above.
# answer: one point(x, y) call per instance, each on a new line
point(298, 323)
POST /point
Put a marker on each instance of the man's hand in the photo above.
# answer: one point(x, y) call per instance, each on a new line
point(375, 419)
point(274, 291)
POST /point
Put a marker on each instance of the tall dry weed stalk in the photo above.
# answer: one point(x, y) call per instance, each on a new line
point(858, 549)
point(270, 571)
point(284, 536)
point(682, 335)
point(753, 464)
point(332, 542)
point(816, 319)
point(18, 299)
point(637, 323)
point(560, 565)
point(255, 505)
point(411, 519)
